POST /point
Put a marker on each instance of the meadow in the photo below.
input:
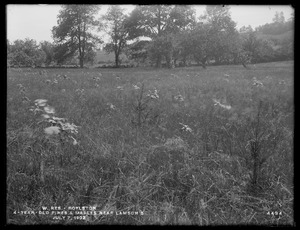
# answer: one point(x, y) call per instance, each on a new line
point(183, 146)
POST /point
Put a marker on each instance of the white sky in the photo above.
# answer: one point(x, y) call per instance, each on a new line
point(36, 21)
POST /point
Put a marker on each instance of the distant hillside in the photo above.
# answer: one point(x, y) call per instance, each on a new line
point(279, 38)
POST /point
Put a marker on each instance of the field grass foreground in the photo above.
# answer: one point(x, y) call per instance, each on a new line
point(177, 146)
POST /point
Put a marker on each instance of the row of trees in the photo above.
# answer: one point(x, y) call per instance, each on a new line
point(172, 36)
point(213, 38)
point(24, 53)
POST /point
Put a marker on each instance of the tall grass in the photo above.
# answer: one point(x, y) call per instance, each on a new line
point(213, 148)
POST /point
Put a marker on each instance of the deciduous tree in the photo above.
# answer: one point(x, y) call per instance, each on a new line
point(48, 49)
point(74, 31)
point(157, 21)
point(26, 53)
point(114, 24)
point(221, 31)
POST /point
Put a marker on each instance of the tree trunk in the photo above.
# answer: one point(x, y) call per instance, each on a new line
point(243, 63)
point(158, 62)
point(184, 61)
point(117, 50)
point(175, 63)
point(217, 60)
point(81, 62)
point(117, 60)
point(168, 61)
point(203, 63)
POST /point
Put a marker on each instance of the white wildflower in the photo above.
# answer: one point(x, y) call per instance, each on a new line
point(40, 102)
point(216, 102)
point(179, 98)
point(58, 119)
point(228, 107)
point(49, 109)
point(226, 75)
point(111, 106)
point(136, 87)
point(52, 121)
point(221, 105)
point(153, 95)
point(63, 90)
point(96, 78)
point(79, 91)
point(186, 128)
point(45, 116)
point(52, 130)
point(71, 127)
point(75, 142)
point(282, 82)
point(22, 90)
point(55, 81)
point(120, 87)
point(258, 83)
point(20, 86)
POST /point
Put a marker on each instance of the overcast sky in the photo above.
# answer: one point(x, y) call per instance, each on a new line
point(36, 21)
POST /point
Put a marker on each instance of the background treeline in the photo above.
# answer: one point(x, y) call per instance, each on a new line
point(155, 35)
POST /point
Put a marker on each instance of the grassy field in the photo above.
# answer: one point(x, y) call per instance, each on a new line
point(170, 146)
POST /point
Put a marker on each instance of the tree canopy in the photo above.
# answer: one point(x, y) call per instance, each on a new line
point(114, 23)
point(162, 35)
point(159, 22)
point(25, 53)
point(74, 31)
